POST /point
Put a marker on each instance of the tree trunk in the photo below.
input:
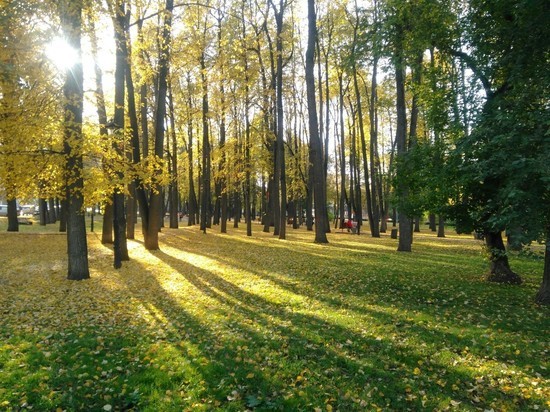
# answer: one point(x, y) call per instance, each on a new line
point(192, 198)
point(43, 211)
point(374, 156)
point(13, 222)
point(205, 184)
point(368, 195)
point(107, 231)
point(268, 214)
point(77, 245)
point(315, 153)
point(499, 268)
point(433, 225)
point(280, 158)
point(441, 226)
point(247, 165)
point(405, 227)
point(131, 211)
point(222, 166)
point(119, 212)
point(156, 206)
point(543, 295)
point(63, 216)
point(342, 206)
point(52, 216)
point(174, 192)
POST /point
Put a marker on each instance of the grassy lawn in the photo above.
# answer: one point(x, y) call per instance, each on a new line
point(227, 322)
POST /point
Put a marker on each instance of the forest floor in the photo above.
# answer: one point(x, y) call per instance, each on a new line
point(230, 322)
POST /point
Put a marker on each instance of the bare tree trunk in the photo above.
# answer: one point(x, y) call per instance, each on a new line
point(543, 295)
point(174, 191)
point(107, 231)
point(280, 150)
point(368, 193)
point(500, 268)
point(405, 226)
point(63, 216)
point(77, 244)
point(119, 213)
point(342, 151)
point(155, 209)
point(433, 225)
point(205, 184)
point(441, 226)
point(315, 151)
point(374, 156)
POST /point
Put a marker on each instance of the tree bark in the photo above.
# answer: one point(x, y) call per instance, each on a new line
point(280, 149)
point(543, 295)
point(77, 244)
point(315, 153)
point(405, 227)
point(499, 267)
point(13, 222)
point(192, 197)
point(433, 225)
point(156, 206)
point(119, 212)
point(205, 183)
point(43, 211)
point(374, 156)
point(441, 226)
point(342, 150)
point(174, 191)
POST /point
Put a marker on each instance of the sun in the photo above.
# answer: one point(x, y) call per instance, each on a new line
point(60, 53)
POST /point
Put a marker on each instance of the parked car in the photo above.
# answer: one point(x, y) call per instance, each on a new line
point(3, 210)
point(27, 210)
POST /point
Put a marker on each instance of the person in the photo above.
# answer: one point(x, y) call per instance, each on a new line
point(349, 225)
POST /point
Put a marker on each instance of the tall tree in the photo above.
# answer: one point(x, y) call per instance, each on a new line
point(156, 204)
point(117, 125)
point(280, 174)
point(77, 245)
point(502, 180)
point(315, 153)
point(405, 223)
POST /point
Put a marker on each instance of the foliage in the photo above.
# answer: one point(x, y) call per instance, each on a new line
point(30, 143)
point(503, 163)
point(429, 182)
point(233, 323)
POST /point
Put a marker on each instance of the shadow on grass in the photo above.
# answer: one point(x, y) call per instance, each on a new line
point(357, 357)
point(304, 329)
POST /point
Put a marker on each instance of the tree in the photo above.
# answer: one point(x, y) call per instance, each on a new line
point(502, 180)
point(315, 150)
point(280, 176)
point(119, 213)
point(405, 224)
point(30, 90)
point(71, 20)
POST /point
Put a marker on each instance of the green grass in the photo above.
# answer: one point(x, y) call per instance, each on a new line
point(227, 322)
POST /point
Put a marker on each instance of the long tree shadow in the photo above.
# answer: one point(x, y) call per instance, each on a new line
point(332, 277)
point(310, 338)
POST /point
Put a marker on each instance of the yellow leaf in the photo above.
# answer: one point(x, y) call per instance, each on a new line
point(250, 376)
point(416, 371)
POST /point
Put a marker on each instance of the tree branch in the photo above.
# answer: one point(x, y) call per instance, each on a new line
point(477, 71)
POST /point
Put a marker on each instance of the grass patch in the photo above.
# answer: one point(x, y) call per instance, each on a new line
point(227, 322)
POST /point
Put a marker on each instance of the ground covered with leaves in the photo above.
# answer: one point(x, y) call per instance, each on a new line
point(228, 322)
